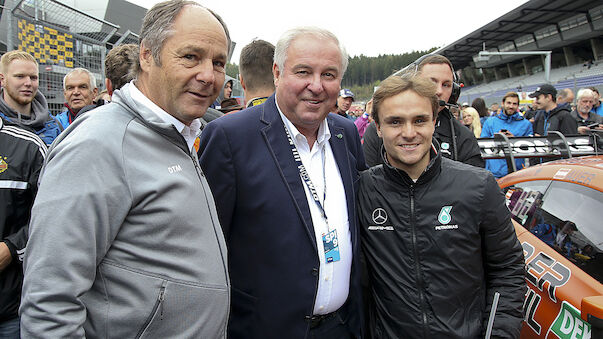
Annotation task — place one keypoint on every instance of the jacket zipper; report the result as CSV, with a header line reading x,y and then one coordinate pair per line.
x,y
417,265
158,306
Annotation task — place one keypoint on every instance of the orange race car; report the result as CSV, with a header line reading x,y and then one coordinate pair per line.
x,y
557,208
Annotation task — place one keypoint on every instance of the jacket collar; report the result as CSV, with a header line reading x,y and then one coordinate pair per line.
x,y
509,118
123,98
401,177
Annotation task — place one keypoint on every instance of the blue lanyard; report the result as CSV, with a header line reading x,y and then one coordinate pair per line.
x,y
305,176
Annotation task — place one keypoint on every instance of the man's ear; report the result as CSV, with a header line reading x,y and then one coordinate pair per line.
x,y
95,92
242,82
145,58
276,72
109,86
378,130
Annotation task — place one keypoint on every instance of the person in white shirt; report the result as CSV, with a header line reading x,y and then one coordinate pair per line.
x,y
283,175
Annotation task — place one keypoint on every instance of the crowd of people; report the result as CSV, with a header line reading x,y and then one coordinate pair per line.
x,y
165,207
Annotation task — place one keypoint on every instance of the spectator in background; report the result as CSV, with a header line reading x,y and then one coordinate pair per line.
x,y
344,102
20,101
363,121
583,114
225,94
480,106
597,107
551,117
120,66
255,68
470,119
510,123
103,98
565,97
79,89
494,109
22,154
134,248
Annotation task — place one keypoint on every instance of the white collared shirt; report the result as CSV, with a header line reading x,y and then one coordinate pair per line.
x,y
188,132
334,277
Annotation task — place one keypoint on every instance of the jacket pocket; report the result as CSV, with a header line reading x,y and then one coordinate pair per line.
x,y
158,308
130,303
188,310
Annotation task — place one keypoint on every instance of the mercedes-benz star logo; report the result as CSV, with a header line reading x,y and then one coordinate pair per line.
x,y
379,216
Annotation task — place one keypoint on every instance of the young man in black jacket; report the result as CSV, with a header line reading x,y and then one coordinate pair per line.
x,y
436,233
551,117
457,142
22,154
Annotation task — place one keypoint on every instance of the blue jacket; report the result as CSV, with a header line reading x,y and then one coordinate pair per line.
x,y
518,126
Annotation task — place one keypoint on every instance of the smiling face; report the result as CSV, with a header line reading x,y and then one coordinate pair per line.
x,y
191,73
344,104
20,83
510,105
406,125
308,86
467,119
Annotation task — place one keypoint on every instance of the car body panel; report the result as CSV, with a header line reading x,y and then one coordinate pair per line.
x,y
556,285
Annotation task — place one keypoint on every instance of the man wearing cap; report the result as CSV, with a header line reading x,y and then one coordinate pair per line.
x,y
551,117
344,102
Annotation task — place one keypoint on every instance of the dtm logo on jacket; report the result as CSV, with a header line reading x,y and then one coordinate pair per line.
x,y
445,218
379,217
3,164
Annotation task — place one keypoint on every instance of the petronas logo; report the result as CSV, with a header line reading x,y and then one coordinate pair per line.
x,y
444,217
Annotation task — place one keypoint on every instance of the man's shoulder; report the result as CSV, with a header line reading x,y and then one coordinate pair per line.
x,y
454,169
16,135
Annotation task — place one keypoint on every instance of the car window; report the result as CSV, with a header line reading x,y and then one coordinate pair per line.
x,y
565,216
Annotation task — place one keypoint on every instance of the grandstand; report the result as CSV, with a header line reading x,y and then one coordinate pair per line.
x,y
571,29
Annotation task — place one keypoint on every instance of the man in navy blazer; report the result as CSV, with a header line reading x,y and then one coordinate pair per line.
x,y
283,175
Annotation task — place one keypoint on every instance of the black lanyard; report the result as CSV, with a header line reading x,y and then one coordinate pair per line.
x,y
305,176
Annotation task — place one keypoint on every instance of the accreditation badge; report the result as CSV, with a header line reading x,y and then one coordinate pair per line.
x,y
331,246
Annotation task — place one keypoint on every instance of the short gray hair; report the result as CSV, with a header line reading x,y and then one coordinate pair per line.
x,y
91,77
585,92
283,44
158,24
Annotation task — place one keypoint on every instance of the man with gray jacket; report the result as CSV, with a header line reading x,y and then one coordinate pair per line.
x,y
124,237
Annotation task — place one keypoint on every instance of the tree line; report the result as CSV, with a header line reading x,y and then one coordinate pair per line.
x,y
365,73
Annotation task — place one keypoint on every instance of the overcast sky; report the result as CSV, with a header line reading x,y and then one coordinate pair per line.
x,y
369,27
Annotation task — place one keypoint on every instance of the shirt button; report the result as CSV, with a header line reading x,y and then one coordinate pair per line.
x,y
321,307
327,278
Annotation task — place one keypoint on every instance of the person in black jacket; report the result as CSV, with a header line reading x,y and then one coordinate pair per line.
x,y
463,146
436,234
551,117
22,154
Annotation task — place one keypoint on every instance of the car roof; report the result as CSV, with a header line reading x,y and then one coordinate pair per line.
x,y
586,171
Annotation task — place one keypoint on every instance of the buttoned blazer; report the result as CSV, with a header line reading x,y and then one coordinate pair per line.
x,y
263,210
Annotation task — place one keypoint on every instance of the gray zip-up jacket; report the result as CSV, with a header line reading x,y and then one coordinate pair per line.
x,y
124,237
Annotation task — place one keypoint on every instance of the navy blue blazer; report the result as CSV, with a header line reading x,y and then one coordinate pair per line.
x,y
264,213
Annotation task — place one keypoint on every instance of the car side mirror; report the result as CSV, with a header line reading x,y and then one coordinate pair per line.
x,y
592,311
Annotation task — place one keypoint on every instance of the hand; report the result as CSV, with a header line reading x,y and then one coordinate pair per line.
x,y
583,129
5,257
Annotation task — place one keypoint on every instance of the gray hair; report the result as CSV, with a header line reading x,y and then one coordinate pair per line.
x,y
158,24
283,44
585,92
91,77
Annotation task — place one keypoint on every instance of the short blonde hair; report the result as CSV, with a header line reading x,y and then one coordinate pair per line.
x,y
9,57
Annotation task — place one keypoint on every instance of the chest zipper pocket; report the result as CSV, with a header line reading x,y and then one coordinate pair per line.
x,y
157,308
